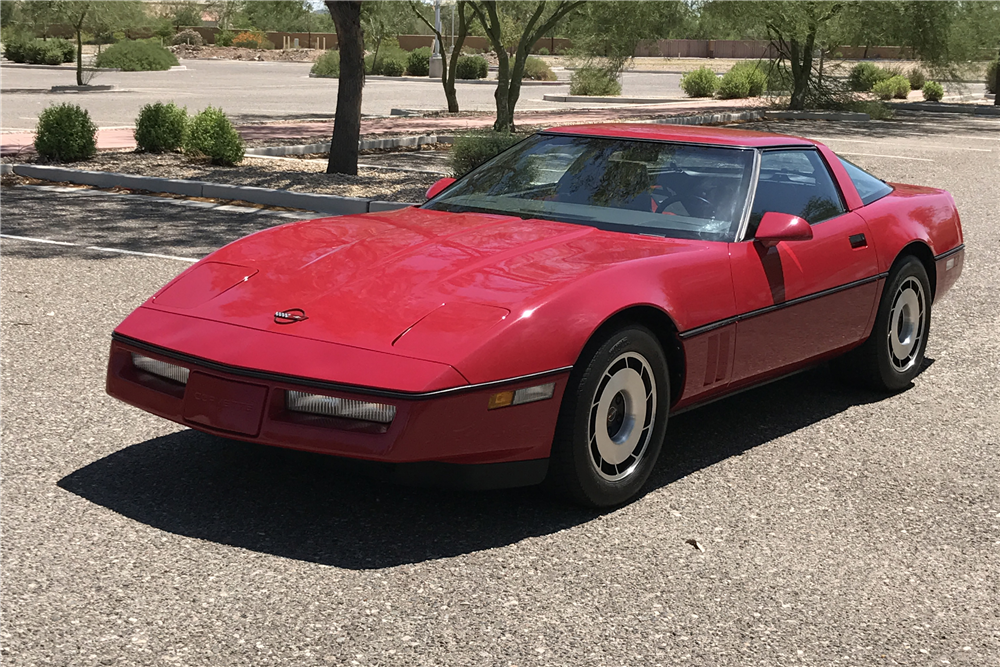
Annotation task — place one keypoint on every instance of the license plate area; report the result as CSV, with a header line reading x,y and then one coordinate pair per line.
x,y
224,404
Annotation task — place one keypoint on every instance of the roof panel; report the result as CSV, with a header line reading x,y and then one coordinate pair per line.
x,y
720,136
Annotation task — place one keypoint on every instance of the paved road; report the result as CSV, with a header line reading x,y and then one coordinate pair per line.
x,y
261,91
839,527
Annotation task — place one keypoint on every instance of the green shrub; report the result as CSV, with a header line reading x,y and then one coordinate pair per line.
x,y
210,134
543,51
391,66
327,65
471,67
224,38
864,76
161,128
136,57
65,133
418,63
743,80
252,39
188,36
900,87
473,149
917,78
55,51
884,90
875,109
591,80
991,76
701,82
933,91
536,70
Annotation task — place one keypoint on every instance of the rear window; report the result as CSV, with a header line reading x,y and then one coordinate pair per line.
x,y
869,188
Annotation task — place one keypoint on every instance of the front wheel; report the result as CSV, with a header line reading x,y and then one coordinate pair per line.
x,y
894,353
612,421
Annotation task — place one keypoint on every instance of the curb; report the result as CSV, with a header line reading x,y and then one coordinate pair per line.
x,y
612,100
83,89
944,107
330,204
6,169
709,119
379,77
364,145
818,115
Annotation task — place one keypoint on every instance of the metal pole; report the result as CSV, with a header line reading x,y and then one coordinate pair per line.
x,y
437,24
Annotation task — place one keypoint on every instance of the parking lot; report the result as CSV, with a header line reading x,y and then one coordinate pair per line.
x,y
837,527
266,91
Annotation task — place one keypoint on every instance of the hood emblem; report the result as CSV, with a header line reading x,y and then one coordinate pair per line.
x,y
290,316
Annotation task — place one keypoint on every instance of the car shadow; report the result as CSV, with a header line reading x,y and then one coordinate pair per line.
x,y
318,509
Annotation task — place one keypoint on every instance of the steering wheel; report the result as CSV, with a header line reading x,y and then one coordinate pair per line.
x,y
698,202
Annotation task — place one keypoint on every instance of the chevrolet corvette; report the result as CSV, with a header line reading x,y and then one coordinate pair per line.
x,y
540,318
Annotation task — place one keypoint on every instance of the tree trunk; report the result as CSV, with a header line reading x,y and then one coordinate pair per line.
x,y
375,57
800,56
79,57
347,123
448,74
996,86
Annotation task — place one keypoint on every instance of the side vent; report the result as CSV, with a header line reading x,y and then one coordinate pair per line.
x,y
717,358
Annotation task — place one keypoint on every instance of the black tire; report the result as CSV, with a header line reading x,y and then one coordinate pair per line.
x,y
883,362
609,379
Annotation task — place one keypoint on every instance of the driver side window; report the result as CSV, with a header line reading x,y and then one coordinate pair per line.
x,y
796,182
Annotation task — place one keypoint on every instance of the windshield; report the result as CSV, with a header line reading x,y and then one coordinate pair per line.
x,y
659,188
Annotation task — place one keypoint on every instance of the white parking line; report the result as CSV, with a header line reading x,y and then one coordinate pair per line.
x,y
895,157
121,251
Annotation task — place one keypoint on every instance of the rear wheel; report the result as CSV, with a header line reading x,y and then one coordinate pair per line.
x,y
612,421
894,353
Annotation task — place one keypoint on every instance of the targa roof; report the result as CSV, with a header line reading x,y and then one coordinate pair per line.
x,y
719,136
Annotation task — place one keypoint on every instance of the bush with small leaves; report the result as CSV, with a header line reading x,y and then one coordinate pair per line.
x,y
224,38
917,78
54,51
864,76
210,134
161,128
473,149
543,51
391,66
252,39
471,67
327,65
743,80
191,37
884,90
596,81
65,133
701,82
418,63
136,56
933,91
900,86
991,77
537,70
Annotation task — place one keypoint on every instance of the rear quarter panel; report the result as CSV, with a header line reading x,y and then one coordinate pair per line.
x,y
913,214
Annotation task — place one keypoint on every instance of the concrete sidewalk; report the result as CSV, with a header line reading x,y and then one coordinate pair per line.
x,y
121,138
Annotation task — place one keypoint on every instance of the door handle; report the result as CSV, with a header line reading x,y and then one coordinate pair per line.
x,y
858,241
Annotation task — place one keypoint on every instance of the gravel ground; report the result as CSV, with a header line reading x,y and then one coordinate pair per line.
x,y
838,527
292,174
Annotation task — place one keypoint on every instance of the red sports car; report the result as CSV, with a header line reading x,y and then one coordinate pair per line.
x,y
541,317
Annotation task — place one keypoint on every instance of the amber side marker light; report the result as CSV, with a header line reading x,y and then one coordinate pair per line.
x,y
504,399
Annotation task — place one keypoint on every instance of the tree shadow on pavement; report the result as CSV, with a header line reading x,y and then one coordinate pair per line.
x,y
316,508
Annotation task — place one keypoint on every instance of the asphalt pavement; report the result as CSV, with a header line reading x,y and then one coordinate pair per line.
x,y
835,526
265,91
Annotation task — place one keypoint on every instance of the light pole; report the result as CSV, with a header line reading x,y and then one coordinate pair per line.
x,y
437,62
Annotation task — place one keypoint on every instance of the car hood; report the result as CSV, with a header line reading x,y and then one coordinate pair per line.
x,y
367,280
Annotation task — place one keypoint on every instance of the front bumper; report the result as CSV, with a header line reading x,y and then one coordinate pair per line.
x,y
442,433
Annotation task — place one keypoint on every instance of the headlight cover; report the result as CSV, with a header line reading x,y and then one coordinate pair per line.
x,y
161,369
344,408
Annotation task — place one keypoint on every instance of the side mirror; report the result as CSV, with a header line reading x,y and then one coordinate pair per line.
x,y
777,227
436,189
